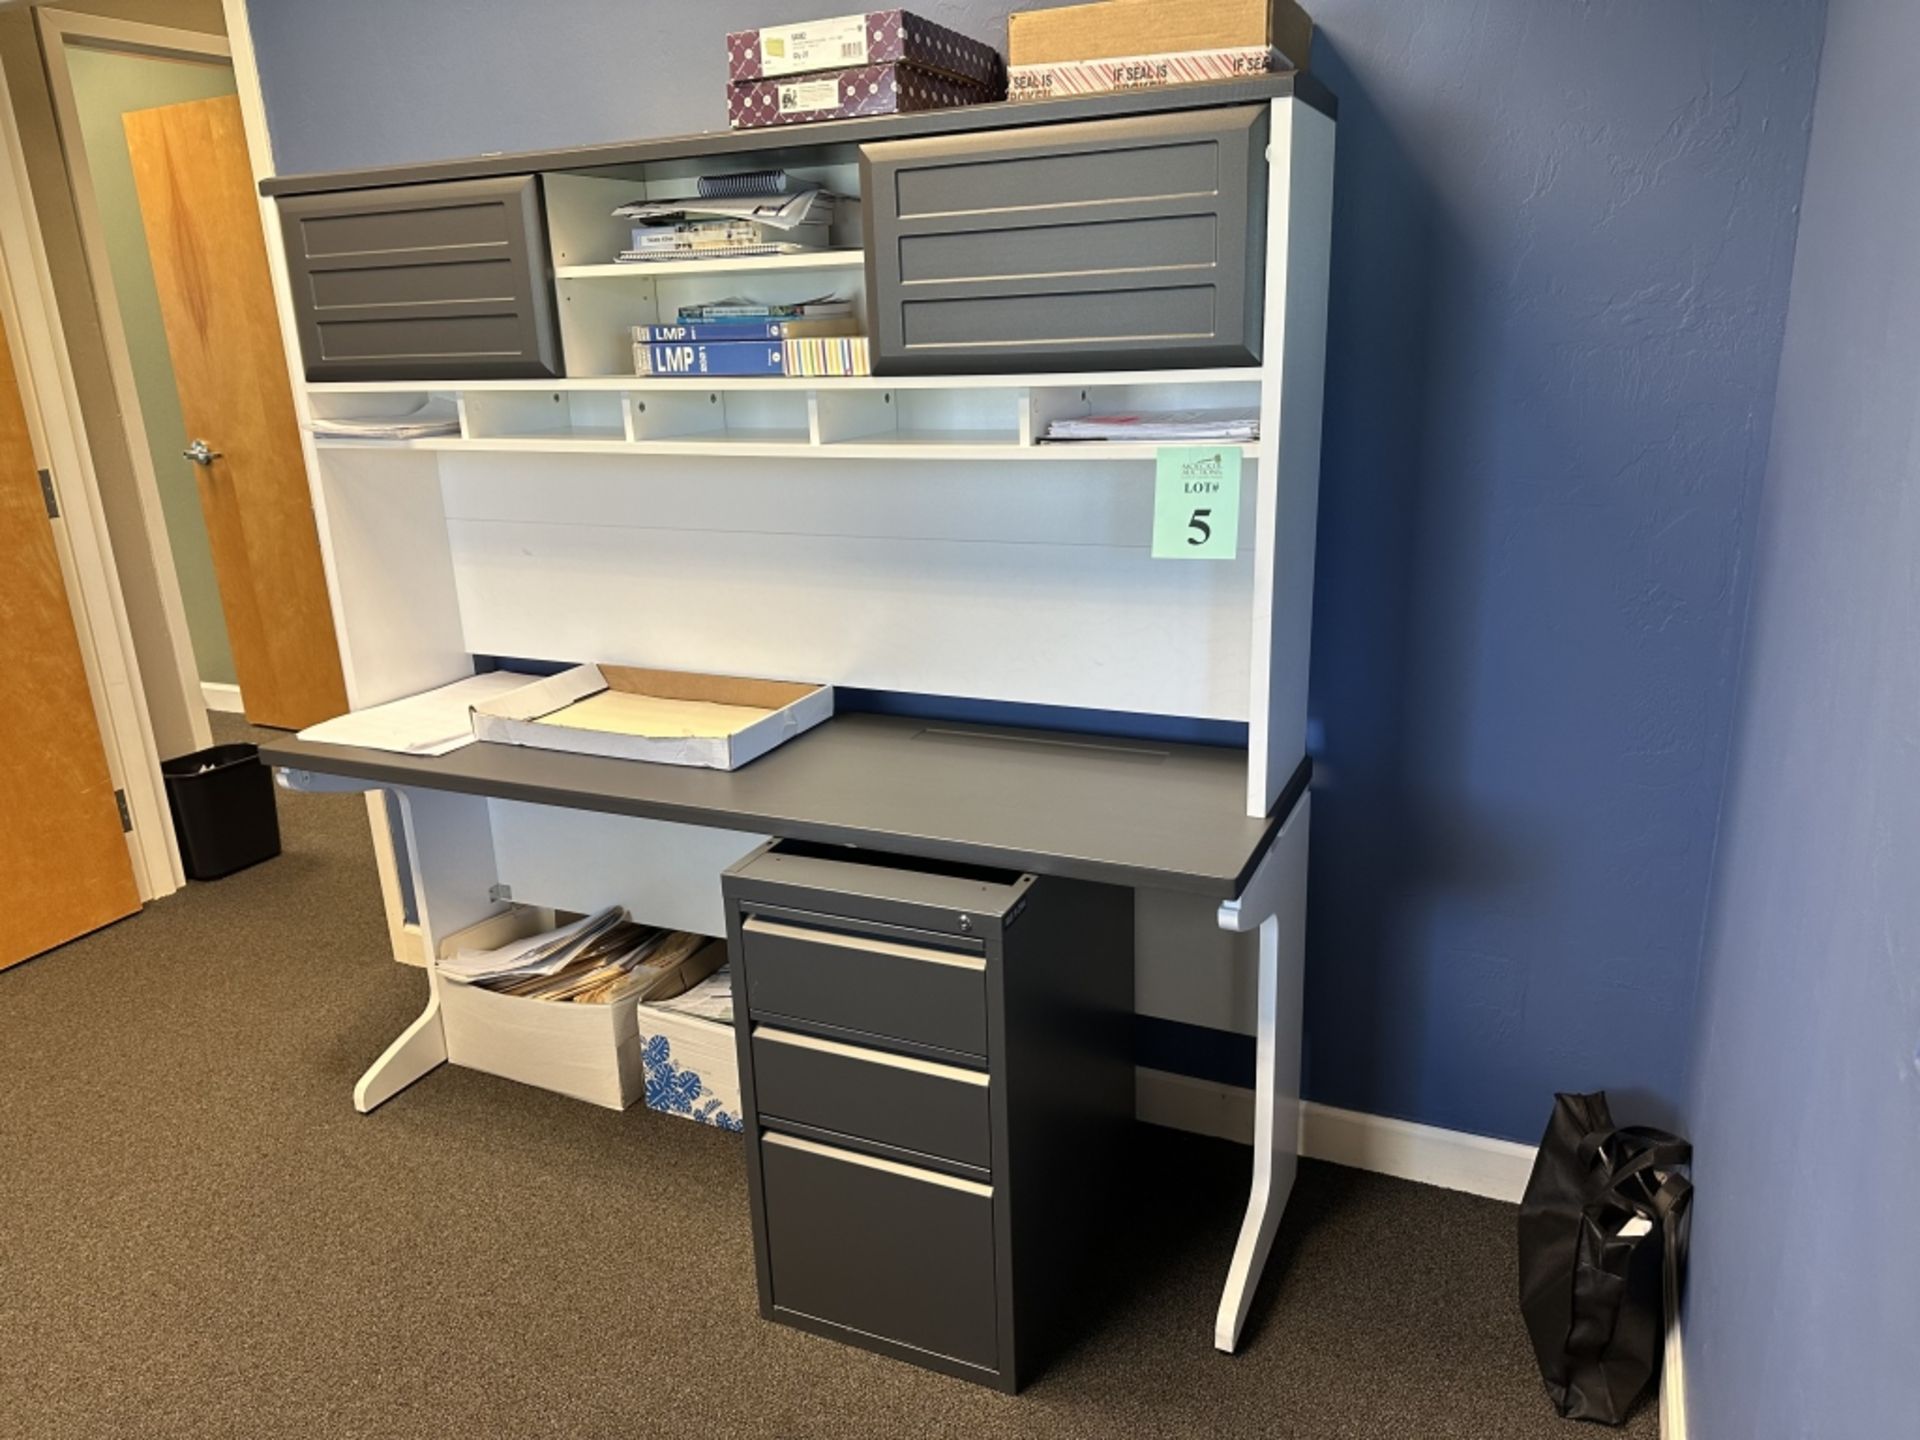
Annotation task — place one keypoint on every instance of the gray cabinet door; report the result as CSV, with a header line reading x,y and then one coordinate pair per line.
x,y
1112,244
423,282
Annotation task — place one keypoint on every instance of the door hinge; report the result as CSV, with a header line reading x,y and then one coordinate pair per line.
x,y
46,493
499,893
126,815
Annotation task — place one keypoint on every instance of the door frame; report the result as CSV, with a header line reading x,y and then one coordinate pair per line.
x,y
93,583
59,29
51,397
404,935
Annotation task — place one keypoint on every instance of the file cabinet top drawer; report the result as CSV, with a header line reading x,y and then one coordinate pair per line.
x,y
958,905
889,988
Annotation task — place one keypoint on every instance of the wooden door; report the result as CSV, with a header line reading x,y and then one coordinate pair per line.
x,y
202,218
64,866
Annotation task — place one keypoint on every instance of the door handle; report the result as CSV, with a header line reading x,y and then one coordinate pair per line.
x,y
202,453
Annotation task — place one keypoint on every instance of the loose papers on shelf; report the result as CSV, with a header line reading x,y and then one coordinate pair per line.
x,y
439,416
595,961
1228,424
779,212
728,226
432,723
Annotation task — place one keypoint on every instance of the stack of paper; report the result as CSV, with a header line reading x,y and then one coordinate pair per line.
x,y
432,723
728,226
595,961
1228,424
437,417
711,999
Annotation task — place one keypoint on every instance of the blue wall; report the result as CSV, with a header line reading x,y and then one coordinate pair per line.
x,y
1803,1316
1563,238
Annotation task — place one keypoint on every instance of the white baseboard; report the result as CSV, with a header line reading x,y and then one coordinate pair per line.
x,y
1673,1362
1451,1159
222,697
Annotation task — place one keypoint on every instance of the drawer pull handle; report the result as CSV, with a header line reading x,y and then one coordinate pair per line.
x,y
873,946
871,1162
872,1057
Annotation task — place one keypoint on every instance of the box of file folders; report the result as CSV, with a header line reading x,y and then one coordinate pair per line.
x,y
554,1005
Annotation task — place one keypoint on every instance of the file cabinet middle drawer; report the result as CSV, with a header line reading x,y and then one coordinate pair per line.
x,y
890,988
920,1105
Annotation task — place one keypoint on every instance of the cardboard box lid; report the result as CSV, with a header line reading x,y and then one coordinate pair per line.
x,y
1110,28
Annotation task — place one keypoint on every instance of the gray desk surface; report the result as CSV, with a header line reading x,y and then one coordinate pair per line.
x,y
1123,812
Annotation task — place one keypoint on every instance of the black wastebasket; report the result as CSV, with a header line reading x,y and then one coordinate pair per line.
x,y
222,803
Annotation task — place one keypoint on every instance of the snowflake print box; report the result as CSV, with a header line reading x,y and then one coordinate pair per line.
x,y
877,37
692,1067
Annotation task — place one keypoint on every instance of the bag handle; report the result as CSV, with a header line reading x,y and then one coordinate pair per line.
x,y
1594,1141
1667,1201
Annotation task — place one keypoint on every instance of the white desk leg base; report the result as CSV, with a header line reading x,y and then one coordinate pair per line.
x,y
422,1047
450,851
1275,901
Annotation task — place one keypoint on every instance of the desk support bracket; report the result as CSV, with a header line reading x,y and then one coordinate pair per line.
x,y
1274,903
449,840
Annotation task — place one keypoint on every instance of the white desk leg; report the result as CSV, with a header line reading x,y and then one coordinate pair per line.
x,y
422,1046
1274,902
450,852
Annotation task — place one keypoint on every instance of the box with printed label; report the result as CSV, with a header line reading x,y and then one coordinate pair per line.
x,y
868,90
1058,78
877,37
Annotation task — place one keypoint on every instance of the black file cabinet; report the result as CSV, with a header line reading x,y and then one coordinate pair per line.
x,y
938,1085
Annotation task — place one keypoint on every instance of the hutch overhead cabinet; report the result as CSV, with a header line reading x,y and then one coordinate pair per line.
x,y
911,532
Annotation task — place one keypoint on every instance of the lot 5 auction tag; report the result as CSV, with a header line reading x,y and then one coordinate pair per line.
x,y
1196,502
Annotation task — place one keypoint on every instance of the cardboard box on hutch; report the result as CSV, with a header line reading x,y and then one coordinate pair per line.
x,y
1115,28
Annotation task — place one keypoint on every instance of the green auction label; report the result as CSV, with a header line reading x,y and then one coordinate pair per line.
x,y
1196,502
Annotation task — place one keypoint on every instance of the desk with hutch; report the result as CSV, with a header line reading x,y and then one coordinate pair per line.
x,y
908,532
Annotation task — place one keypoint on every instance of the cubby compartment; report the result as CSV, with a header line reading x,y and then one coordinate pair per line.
x,y
919,416
394,418
601,301
679,410
550,415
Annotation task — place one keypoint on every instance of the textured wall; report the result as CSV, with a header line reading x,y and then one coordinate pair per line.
x,y
1563,234
1804,1305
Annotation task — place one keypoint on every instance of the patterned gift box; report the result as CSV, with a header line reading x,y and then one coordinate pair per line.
x,y
867,90
692,1068
879,37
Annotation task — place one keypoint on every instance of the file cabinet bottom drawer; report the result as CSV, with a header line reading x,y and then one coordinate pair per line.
x,y
887,1249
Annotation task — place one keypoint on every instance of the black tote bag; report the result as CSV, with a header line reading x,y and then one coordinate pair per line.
x,y
1591,1295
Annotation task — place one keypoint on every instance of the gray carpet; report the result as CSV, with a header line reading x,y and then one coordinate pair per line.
x,y
199,1237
